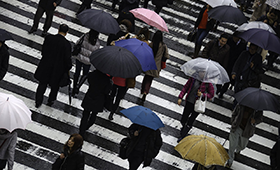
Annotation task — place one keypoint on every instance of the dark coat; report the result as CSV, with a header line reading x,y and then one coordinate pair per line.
x,y
159,3
74,161
114,37
214,52
4,60
55,61
99,87
127,5
150,138
275,156
48,4
210,22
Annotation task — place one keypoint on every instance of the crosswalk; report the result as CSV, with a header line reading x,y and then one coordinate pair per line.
x,y
40,144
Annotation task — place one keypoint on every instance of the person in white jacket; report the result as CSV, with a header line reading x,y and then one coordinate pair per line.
x,y
7,148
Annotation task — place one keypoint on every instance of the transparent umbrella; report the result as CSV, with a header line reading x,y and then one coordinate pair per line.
x,y
215,3
205,70
255,24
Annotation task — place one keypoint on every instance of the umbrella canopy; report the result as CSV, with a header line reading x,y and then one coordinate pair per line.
x,y
258,99
215,3
273,3
141,50
99,20
13,112
5,35
143,116
205,70
150,17
116,61
255,24
202,149
262,38
227,14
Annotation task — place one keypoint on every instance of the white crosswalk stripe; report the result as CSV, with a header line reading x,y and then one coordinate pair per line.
x,y
162,97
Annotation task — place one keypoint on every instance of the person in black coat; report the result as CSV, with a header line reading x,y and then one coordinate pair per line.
x,y
275,153
47,6
144,145
72,157
158,3
4,59
94,100
54,64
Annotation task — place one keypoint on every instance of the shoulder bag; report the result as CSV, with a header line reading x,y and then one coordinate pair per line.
x,y
192,35
77,47
123,147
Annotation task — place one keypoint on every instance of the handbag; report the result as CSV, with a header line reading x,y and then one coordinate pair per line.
x,y
200,105
78,47
130,82
123,147
192,35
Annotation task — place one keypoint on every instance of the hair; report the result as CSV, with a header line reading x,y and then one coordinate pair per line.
x,y
127,23
224,35
254,45
78,142
93,36
144,34
63,28
157,39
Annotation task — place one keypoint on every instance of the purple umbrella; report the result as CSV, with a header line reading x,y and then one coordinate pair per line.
x,y
262,38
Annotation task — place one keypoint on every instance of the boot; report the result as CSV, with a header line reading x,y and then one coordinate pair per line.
x,y
196,50
75,82
111,116
81,82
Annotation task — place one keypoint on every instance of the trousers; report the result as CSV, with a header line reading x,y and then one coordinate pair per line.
x,y
39,13
41,90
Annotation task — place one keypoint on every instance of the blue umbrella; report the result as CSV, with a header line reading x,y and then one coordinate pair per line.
x,y
143,116
141,50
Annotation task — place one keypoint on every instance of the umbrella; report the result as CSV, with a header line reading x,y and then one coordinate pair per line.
x,y
227,14
99,20
257,99
205,70
13,112
273,3
116,61
143,116
215,3
262,38
202,149
141,50
255,24
150,17
5,35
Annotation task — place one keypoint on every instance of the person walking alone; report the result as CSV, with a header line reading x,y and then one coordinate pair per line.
x,y
54,64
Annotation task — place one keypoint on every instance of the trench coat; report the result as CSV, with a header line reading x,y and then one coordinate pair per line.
x,y
99,88
55,61
4,60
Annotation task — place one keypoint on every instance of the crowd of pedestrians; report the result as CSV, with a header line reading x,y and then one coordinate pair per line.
x,y
242,62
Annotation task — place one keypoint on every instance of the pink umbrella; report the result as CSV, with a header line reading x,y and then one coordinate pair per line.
x,y
150,17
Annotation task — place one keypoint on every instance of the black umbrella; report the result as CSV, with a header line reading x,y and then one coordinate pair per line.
x,y
116,61
5,35
226,13
99,20
262,38
257,99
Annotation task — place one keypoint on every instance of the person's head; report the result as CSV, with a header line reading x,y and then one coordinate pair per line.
x,y
253,48
93,36
235,38
127,24
144,34
74,142
208,7
157,39
223,39
63,29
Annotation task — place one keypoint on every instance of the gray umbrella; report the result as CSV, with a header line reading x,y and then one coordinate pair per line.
x,y
257,99
116,61
99,20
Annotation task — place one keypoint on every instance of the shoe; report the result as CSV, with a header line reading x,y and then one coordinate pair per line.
x,y
44,33
50,103
144,97
32,31
228,165
37,105
221,96
111,116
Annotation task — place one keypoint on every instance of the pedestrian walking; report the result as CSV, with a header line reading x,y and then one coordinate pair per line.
x,y
125,26
4,59
54,65
48,7
90,43
194,89
243,124
159,4
72,158
8,143
275,154
203,24
127,5
247,69
160,51
144,145
86,4
259,8
94,100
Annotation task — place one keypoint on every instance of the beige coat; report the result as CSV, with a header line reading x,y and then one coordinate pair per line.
x,y
158,57
259,10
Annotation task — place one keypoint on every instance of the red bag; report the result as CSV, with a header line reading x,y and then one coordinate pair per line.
x,y
163,64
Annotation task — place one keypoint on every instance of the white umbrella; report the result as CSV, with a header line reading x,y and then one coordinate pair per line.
x,y
255,24
205,70
14,114
215,3
273,3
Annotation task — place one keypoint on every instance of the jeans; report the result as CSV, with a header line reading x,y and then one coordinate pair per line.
x,y
87,121
201,34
